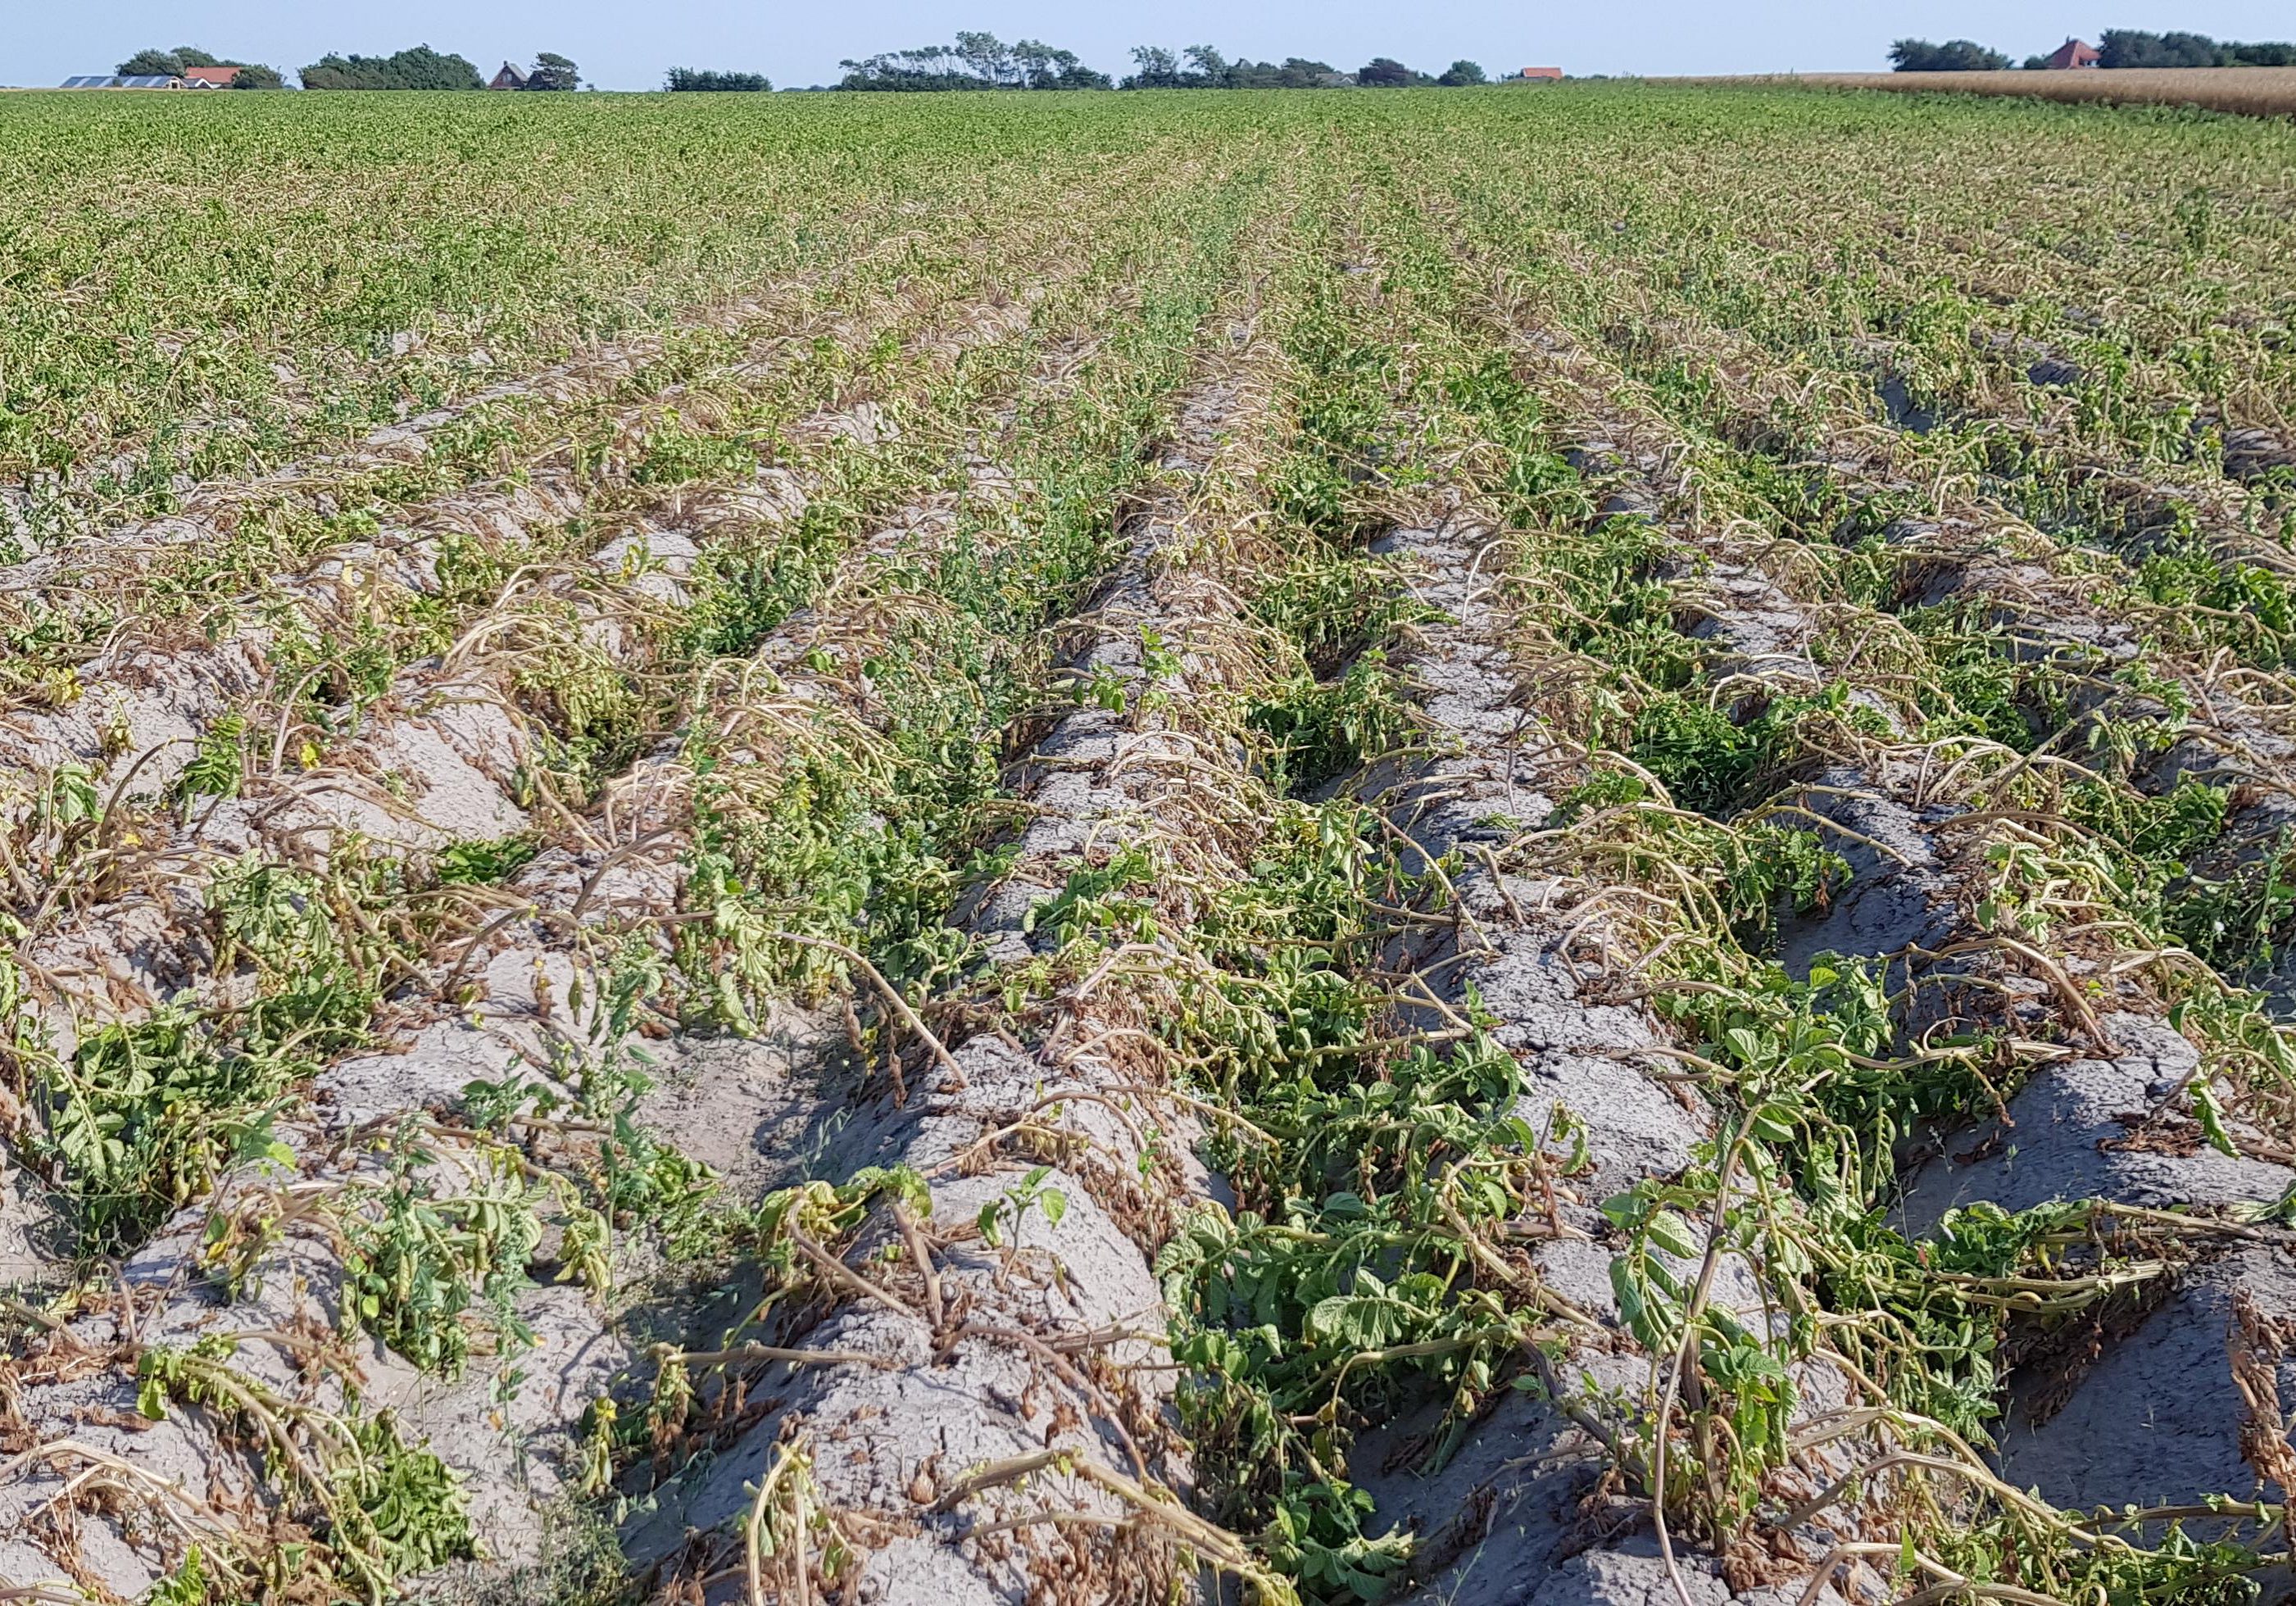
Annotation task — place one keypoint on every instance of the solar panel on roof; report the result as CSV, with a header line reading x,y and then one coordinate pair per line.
x,y
145,81
88,80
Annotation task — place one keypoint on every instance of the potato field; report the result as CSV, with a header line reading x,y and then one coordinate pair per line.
x,y
1514,846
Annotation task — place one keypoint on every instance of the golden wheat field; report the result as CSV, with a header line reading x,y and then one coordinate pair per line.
x,y
2249,91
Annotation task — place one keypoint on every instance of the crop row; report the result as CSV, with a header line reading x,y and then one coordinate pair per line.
x,y
436,872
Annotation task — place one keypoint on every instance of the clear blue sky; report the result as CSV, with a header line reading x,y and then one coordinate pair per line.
x,y
624,45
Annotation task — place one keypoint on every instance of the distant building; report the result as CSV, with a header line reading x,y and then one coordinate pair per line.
x,y
2070,55
1540,72
210,77
509,78
105,80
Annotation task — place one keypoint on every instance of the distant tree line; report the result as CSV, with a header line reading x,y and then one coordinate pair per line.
x,y
171,63
981,60
688,78
423,68
2126,47
1157,68
2116,47
420,67
977,61
1954,55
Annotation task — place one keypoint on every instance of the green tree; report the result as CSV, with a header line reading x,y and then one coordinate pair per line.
x,y
1153,67
1300,73
1459,73
420,67
168,63
1038,65
1954,55
987,57
685,79
553,71
931,67
258,78
2129,47
1384,72
1207,64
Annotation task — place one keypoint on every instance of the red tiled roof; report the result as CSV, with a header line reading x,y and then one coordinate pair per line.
x,y
210,74
2073,52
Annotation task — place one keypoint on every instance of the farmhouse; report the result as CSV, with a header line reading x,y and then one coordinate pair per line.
x,y
2070,55
509,78
210,77
1540,72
